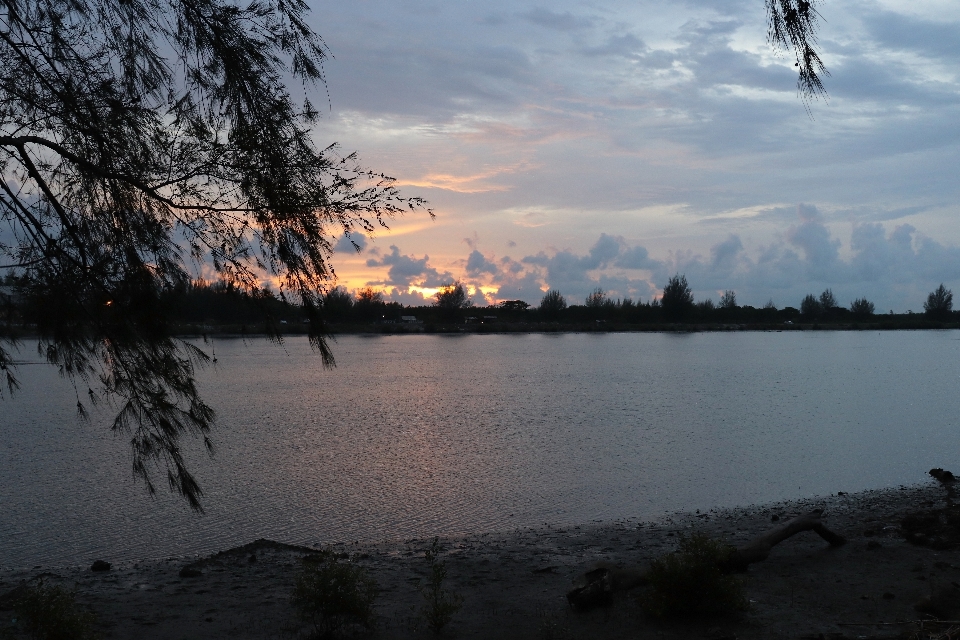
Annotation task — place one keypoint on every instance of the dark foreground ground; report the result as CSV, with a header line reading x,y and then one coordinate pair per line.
x,y
514,584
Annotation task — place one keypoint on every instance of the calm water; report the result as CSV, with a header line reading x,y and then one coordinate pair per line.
x,y
423,435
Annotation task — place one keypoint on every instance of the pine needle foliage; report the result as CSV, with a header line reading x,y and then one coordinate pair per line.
x,y
141,142
792,26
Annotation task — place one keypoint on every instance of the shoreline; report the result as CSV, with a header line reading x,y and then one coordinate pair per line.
x,y
514,583
236,331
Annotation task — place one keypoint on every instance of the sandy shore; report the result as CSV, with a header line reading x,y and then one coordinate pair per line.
x,y
514,584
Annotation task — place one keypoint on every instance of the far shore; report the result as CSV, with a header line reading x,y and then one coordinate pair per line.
x,y
898,322
514,583
420,328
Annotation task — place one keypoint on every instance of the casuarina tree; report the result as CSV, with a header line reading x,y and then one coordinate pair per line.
x,y
677,299
810,306
552,304
139,140
451,299
939,303
862,308
728,300
828,301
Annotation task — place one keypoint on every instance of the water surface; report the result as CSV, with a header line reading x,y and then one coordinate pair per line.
x,y
421,435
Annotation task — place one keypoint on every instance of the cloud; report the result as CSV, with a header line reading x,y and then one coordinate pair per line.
x,y
576,275
895,31
636,258
351,242
477,264
893,267
624,45
724,254
820,249
543,134
407,270
565,21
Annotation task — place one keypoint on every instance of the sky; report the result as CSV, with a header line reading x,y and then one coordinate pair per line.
x,y
612,144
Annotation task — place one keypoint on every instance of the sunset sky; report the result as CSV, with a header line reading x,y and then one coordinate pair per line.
x,y
575,145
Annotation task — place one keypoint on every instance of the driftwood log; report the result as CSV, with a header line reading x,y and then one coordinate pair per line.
x,y
607,579
948,481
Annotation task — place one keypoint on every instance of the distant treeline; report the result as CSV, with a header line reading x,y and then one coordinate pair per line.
x,y
201,306
452,306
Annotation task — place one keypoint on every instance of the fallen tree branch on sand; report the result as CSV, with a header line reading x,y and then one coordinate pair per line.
x,y
605,580
935,528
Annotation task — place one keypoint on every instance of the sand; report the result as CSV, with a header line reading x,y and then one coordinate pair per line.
x,y
514,583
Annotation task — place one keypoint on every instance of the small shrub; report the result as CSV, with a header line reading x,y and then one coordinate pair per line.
x,y
333,595
439,604
51,613
690,583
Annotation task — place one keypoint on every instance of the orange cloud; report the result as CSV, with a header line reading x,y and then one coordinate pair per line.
x,y
465,183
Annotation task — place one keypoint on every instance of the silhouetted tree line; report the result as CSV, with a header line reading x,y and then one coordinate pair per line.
x,y
677,304
222,304
219,303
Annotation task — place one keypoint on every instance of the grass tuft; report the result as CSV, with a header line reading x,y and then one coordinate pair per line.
x,y
45,612
690,583
333,595
439,605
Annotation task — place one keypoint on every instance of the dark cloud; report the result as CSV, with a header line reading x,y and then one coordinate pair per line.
x,y
820,249
809,213
407,270
893,268
351,242
613,112
625,46
570,273
724,254
603,251
899,32
477,264
636,258
527,288
493,20
565,21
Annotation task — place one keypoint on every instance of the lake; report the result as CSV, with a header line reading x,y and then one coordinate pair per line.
x,y
422,435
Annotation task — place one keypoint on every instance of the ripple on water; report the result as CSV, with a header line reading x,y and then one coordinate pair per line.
x,y
414,436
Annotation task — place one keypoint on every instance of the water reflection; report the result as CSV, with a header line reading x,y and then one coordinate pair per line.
x,y
424,435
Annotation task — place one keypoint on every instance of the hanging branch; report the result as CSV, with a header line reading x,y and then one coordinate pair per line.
x,y
792,26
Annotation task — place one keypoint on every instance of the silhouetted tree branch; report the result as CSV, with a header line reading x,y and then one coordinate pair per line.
x,y
792,26
138,138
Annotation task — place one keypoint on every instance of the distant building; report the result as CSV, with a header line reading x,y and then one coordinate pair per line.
x,y
409,319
